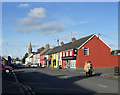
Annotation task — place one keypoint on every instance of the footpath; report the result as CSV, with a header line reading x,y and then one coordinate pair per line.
x,y
103,72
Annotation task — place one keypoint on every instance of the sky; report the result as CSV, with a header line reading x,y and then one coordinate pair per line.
x,y
43,23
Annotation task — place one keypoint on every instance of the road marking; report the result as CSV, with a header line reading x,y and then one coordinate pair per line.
x,y
18,85
102,85
30,91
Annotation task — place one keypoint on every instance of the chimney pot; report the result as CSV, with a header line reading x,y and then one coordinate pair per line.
x,y
73,39
62,43
47,46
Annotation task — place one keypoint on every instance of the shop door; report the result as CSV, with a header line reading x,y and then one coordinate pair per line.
x,y
73,63
68,64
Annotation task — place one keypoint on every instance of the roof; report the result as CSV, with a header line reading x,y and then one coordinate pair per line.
x,y
44,53
39,51
71,45
54,50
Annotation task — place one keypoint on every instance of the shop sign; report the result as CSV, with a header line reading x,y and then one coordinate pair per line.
x,y
74,51
69,58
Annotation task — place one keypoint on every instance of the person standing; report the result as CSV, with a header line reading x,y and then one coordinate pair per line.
x,y
86,68
90,68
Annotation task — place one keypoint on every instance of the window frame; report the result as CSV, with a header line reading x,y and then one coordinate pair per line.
x,y
86,51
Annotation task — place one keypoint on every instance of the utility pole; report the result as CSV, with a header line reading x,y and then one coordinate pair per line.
x,y
58,53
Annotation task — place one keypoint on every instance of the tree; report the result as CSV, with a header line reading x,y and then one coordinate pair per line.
x,y
9,59
25,56
5,62
17,59
112,52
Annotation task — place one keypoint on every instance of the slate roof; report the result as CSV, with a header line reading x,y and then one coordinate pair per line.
x,y
54,50
70,45
44,53
39,51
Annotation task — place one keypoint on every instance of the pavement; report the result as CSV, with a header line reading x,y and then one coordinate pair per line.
x,y
103,72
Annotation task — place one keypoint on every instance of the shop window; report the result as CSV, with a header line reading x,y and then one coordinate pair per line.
x,y
86,51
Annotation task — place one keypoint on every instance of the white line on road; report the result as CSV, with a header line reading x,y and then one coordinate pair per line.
x,y
102,85
18,85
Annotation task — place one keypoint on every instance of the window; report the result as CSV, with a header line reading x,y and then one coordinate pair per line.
x,y
70,53
86,51
66,53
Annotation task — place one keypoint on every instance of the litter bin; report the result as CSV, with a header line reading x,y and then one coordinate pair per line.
x,y
116,71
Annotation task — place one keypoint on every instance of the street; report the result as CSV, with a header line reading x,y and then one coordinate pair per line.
x,y
49,80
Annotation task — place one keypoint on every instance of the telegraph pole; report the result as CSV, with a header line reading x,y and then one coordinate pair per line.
x,y
58,53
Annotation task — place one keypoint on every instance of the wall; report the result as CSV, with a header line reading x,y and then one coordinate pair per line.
x,y
99,55
42,60
54,56
50,59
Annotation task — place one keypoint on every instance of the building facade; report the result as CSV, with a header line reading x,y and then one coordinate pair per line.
x,y
91,48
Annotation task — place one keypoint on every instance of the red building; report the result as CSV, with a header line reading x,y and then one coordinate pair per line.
x,y
96,51
42,62
90,48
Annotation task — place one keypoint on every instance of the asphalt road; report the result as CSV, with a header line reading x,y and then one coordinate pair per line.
x,y
44,80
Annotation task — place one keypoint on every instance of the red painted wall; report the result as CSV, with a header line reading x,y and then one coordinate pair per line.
x,y
42,59
50,59
99,55
63,61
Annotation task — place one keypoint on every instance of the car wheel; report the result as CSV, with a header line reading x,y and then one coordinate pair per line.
x,y
7,70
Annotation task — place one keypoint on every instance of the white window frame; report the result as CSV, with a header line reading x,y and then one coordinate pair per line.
x,y
86,49
67,53
71,53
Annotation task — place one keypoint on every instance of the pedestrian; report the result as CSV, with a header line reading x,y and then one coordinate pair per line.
x,y
90,68
86,68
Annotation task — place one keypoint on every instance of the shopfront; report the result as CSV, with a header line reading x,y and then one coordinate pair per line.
x,y
69,62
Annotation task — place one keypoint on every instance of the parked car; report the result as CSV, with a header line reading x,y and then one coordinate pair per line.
x,y
34,65
5,68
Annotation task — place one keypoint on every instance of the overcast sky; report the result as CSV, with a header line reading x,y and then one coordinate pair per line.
x,y
43,23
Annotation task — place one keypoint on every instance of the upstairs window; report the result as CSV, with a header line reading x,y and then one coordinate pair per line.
x,y
70,53
66,53
86,51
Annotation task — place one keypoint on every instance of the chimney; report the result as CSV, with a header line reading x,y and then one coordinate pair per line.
x,y
40,49
73,39
62,43
47,46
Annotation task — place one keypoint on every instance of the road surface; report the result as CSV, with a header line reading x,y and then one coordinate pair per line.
x,y
44,80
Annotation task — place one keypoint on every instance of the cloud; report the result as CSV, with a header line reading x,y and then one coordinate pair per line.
x,y
83,22
47,28
24,5
1,41
33,23
37,13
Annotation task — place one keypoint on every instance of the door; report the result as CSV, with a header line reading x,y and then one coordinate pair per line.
x,y
73,63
